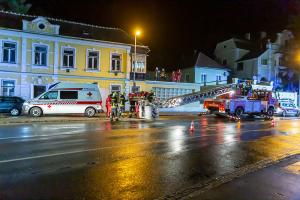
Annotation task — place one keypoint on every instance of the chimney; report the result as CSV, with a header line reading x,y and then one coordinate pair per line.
x,y
248,36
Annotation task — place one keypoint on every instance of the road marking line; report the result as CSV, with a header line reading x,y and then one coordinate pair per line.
x,y
111,147
74,152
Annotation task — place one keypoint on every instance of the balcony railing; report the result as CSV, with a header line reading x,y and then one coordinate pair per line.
x,y
138,76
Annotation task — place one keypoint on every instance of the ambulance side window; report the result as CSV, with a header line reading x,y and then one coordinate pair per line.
x,y
68,94
50,95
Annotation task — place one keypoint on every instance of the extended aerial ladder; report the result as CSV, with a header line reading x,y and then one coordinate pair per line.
x,y
195,97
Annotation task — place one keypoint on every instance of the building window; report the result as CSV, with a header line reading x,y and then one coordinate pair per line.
x,y
187,78
68,94
224,62
218,79
240,66
40,55
9,50
203,78
264,61
8,87
41,26
137,88
115,88
68,57
116,62
38,90
281,61
138,66
93,60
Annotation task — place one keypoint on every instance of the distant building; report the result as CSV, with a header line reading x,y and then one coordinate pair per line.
x,y
206,71
263,59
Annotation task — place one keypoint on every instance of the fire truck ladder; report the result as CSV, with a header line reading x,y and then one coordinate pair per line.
x,y
195,97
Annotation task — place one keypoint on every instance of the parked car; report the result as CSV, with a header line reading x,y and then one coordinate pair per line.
x,y
287,108
12,105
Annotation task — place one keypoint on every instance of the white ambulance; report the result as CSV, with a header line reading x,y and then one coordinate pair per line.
x,y
66,98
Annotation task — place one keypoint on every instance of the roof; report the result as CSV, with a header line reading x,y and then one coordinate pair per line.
x,y
252,54
205,61
244,44
12,20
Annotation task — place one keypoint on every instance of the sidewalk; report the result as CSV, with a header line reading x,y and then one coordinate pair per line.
x,y
279,181
6,119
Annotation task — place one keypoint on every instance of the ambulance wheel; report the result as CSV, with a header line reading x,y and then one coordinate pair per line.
x,y
90,112
35,112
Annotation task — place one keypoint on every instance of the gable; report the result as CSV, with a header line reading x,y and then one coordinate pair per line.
x,y
40,25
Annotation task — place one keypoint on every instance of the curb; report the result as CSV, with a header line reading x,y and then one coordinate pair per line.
x,y
29,121
197,190
61,120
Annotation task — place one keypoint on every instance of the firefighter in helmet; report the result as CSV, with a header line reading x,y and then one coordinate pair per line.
x,y
150,96
122,101
132,104
114,106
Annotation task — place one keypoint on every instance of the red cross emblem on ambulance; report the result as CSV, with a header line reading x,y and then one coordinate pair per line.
x,y
89,94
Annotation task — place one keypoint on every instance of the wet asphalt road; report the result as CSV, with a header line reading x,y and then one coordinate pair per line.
x,y
132,159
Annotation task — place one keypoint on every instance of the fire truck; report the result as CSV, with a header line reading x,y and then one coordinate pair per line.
x,y
256,100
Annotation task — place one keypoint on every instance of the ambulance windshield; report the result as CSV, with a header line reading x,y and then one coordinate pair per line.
x,y
50,95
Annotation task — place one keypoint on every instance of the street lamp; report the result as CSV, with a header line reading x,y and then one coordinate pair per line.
x,y
137,33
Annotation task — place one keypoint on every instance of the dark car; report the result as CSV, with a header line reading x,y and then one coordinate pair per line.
x,y
12,105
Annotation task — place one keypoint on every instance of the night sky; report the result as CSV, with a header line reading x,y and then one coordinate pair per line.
x,y
174,29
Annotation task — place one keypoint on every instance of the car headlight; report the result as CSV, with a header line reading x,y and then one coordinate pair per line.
x,y
278,109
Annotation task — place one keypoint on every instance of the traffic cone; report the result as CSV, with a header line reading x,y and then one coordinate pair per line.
x,y
273,123
192,127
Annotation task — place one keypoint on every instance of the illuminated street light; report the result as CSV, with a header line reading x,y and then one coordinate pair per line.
x,y
137,33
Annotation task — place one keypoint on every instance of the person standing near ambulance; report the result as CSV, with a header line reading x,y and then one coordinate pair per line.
x,y
122,101
108,106
114,106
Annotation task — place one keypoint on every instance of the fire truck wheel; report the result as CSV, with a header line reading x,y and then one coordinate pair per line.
x,y
90,112
35,112
270,112
239,111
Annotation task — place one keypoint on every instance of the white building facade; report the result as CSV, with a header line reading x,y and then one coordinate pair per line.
x,y
206,72
255,60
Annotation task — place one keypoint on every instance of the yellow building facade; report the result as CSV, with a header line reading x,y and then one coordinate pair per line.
x,y
36,52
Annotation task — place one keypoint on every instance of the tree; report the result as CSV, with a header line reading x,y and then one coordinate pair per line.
x,y
294,17
18,6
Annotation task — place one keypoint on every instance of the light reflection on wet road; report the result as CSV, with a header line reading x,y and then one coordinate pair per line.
x,y
132,159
